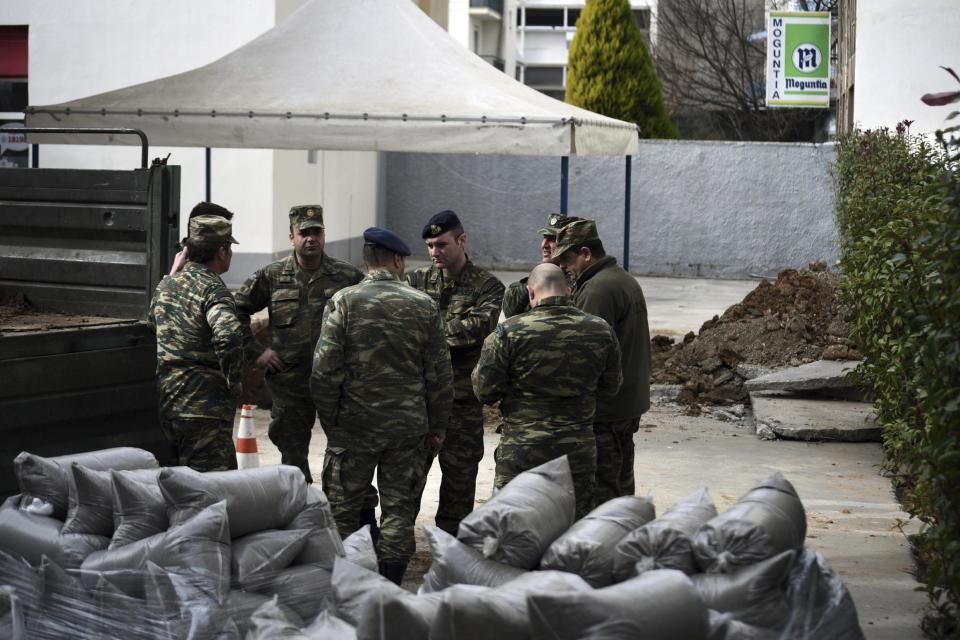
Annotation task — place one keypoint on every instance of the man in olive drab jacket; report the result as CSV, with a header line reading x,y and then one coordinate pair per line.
x,y
469,299
604,289
295,291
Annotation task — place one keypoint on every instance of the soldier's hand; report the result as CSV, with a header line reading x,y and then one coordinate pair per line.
x,y
434,442
270,361
178,261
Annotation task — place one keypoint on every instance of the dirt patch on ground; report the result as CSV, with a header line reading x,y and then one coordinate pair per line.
x,y
793,320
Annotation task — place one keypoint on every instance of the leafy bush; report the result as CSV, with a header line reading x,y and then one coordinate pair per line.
x,y
898,211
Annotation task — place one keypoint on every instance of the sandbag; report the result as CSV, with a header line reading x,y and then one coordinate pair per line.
x,y
20,589
13,624
522,519
31,537
49,479
587,547
656,605
667,542
139,510
723,626
453,563
200,545
766,521
821,608
353,586
256,499
242,605
323,542
755,594
469,612
272,621
261,555
305,589
90,499
358,548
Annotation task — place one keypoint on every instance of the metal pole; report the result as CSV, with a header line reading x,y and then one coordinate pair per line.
x,y
626,216
35,157
207,155
564,183
144,145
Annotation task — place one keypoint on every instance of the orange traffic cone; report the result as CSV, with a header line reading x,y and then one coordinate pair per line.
x,y
247,455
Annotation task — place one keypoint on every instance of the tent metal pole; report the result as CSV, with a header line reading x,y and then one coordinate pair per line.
x,y
35,157
626,215
564,183
207,162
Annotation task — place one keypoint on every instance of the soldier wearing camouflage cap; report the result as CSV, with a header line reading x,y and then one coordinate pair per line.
x,y
295,291
199,350
382,385
548,367
515,299
469,299
604,289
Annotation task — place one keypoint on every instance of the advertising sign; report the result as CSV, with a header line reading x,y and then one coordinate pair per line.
x,y
798,59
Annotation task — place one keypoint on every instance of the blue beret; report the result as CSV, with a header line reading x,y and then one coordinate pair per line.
x,y
440,223
377,237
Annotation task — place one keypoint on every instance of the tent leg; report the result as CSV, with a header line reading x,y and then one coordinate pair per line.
x,y
35,157
626,215
207,162
564,183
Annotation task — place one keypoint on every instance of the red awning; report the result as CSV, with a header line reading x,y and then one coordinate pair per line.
x,y
13,52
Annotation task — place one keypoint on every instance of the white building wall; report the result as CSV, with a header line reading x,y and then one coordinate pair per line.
x,y
900,46
458,22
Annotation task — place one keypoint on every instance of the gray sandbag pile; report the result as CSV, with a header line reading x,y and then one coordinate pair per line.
x,y
108,544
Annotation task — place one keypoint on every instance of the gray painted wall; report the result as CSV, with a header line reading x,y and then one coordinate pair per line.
x,y
713,209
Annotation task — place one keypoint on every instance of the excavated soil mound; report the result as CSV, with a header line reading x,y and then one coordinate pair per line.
x,y
791,321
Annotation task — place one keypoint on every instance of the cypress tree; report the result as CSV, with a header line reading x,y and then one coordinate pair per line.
x,y
610,71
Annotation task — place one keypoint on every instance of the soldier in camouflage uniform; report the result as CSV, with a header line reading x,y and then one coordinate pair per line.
x,y
199,350
382,384
547,367
469,299
604,289
515,299
295,291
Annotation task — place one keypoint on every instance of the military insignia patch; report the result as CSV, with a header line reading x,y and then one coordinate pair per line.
x,y
554,219
435,229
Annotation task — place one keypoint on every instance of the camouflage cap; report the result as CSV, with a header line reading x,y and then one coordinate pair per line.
x,y
575,234
555,222
306,216
211,229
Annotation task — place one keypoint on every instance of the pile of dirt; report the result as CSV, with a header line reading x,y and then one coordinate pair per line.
x,y
788,322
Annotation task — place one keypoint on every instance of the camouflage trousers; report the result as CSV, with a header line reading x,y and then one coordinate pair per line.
x,y
291,425
459,461
615,458
203,444
347,474
513,459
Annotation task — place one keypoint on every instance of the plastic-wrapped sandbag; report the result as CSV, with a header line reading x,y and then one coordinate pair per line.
x,y
242,605
453,563
768,520
323,542
31,537
305,589
755,594
667,542
723,626
656,605
179,604
358,548
522,519
12,619
49,478
271,621
263,554
20,589
91,499
587,547
820,605
469,612
139,510
257,499
200,545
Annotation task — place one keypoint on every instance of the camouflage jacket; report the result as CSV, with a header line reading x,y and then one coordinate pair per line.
x,y
547,367
381,369
469,306
295,299
199,348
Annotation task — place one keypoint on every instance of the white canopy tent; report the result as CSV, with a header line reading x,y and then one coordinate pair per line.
x,y
370,75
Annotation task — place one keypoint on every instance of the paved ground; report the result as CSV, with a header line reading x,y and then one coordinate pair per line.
x,y
852,516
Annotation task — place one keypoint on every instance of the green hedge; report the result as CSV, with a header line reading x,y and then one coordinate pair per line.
x,y
898,212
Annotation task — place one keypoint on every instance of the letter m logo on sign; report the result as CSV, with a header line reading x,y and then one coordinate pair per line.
x,y
807,58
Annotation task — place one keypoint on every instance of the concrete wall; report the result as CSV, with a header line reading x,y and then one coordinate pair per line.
x,y
900,46
715,209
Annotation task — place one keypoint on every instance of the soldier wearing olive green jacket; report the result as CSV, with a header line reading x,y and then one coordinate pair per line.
x,y
547,368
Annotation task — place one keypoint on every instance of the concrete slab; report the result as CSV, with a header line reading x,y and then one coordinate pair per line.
x,y
822,374
797,418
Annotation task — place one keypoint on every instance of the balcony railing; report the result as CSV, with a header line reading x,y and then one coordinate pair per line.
x,y
493,5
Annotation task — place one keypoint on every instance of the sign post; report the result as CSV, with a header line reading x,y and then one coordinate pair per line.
x,y
798,59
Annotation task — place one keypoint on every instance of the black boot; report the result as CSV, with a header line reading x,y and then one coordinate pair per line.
x,y
369,516
393,571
